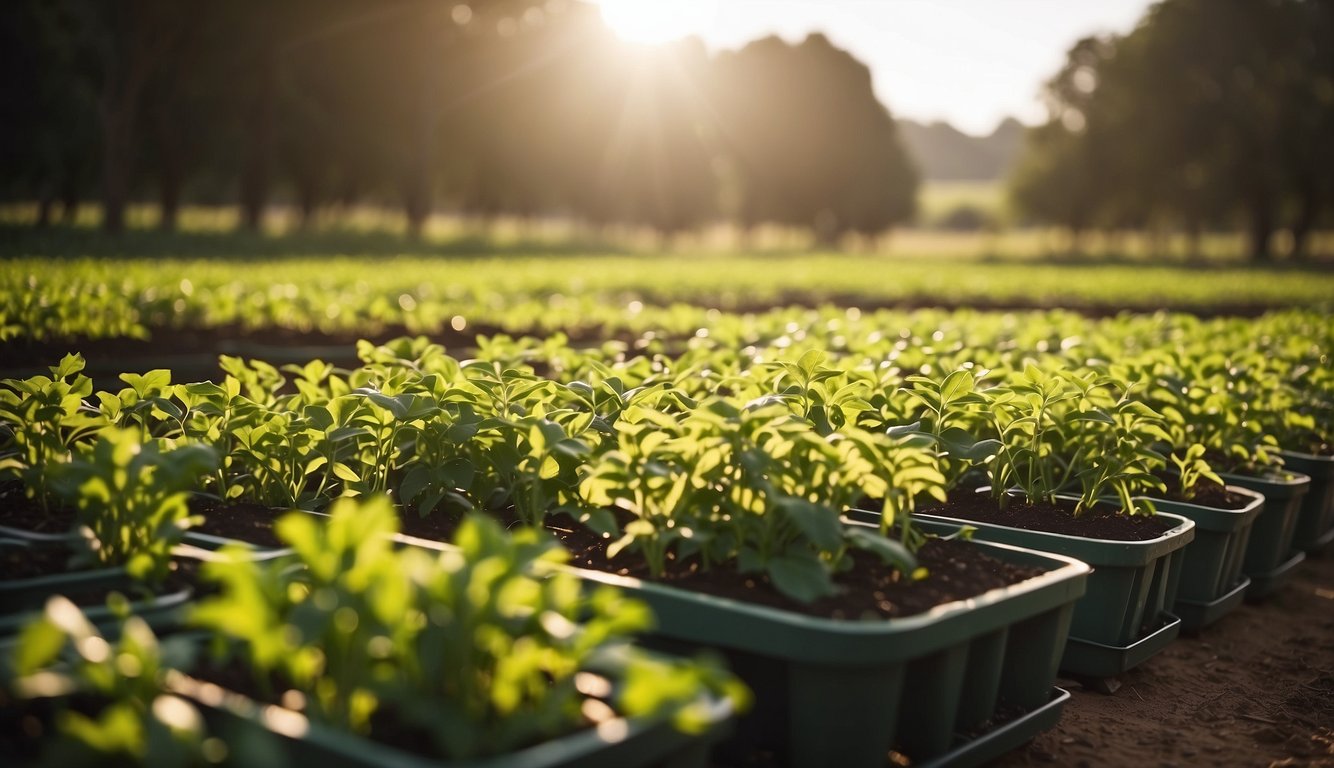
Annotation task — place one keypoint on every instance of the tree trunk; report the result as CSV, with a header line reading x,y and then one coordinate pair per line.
x,y
169,197
170,175
44,205
145,32
69,198
1305,222
1194,236
1261,227
417,204
258,154
117,158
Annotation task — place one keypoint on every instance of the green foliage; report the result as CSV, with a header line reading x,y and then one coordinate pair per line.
x,y
757,489
1061,430
484,648
129,497
41,419
133,721
49,298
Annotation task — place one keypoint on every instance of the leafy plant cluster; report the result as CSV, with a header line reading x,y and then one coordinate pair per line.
x,y
719,453
484,648
598,296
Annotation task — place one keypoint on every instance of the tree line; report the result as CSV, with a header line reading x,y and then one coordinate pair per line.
x,y
509,107
1210,114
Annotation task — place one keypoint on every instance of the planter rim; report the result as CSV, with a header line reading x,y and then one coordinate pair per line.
x,y
37,537
1209,518
1066,568
561,750
1092,550
1288,479
50,581
1322,458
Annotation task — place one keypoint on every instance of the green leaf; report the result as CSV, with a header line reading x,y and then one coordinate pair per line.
x,y
803,579
819,524
344,472
956,385
889,551
38,645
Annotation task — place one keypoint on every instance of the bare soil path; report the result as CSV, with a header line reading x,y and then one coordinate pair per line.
x,y
1254,689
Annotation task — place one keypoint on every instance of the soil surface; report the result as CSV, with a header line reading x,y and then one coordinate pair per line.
x,y
1096,523
1255,688
869,589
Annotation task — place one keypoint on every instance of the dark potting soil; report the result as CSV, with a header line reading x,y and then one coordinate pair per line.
x,y
1097,523
870,589
19,511
240,520
1207,494
32,562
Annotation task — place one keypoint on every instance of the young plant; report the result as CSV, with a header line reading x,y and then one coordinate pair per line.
x,y
1191,468
41,420
481,649
950,412
1061,431
126,717
129,497
757,490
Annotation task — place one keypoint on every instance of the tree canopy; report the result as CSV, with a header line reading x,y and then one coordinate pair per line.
x,y
1209,113
514,107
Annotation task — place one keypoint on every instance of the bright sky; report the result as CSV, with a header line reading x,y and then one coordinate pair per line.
x,y
970,62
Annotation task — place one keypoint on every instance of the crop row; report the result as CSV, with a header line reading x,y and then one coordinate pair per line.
x,y
739,453
94,298
698,447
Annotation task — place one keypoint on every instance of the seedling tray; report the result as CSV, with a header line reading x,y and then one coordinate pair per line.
x,y
842,693
992,744
1211,567
1132,582
1269,553
1315,523
1086,658
1197,615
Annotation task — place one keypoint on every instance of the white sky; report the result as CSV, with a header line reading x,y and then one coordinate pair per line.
x,y
970,62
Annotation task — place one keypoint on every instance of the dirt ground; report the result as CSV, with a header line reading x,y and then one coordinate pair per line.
x,y
1254,689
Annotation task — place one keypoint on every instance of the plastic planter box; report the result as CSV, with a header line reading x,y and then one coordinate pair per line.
x,y
1315,523
22,599
1270,559
1212,582
1126,616
843,693
270,735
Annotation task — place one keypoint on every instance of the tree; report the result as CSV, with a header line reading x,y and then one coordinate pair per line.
x,y
1209,111
835,165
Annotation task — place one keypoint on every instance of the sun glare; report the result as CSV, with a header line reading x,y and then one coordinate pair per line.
x,y
650,22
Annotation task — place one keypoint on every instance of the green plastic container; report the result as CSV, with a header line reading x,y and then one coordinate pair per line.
x,y
266,735
23,599
1315,523
843,693
1270,558
1125,617
1212,582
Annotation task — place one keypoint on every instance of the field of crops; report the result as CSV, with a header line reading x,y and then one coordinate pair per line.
x,y
702,420
582,296
683,436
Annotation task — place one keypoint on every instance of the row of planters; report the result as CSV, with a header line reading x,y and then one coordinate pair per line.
x,y
680,471
986,650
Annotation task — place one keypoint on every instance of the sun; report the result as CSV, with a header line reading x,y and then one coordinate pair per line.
x,y
651,22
